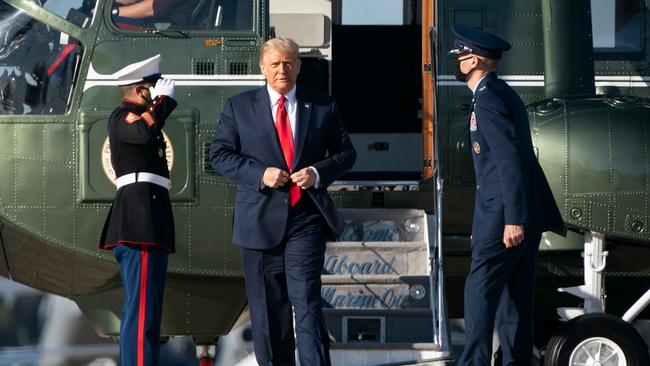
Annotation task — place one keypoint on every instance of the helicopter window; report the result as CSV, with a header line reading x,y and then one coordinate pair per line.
x,y
79,12
372,12
617,28
38,65
207,15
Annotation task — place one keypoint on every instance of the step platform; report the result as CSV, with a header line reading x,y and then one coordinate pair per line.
x,y
377,289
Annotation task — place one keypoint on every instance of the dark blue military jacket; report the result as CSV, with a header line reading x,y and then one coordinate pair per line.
x,y
510,185
141,213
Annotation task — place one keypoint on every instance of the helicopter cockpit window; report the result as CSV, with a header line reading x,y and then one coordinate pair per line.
x,y
192,15
617,28
38,65
79,12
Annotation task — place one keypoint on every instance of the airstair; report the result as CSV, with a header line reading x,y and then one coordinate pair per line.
x,y
383,290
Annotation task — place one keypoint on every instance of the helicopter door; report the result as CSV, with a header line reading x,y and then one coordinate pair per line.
x,y
380,101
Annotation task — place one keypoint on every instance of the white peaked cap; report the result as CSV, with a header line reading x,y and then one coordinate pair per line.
x,y
136,72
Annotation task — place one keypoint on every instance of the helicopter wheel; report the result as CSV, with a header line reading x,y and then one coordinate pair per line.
x,y
596,339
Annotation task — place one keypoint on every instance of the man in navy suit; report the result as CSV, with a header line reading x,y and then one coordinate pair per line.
x,y
283,146
513,207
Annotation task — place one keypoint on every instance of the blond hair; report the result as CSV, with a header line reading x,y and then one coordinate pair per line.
x,y
280,44
489,63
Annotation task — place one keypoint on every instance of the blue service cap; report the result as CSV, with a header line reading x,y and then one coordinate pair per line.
x,y
474,41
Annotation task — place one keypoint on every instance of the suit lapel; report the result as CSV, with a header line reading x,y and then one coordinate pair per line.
x,y
303,116
263,111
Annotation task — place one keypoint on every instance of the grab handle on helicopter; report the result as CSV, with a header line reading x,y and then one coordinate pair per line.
x,y
602,266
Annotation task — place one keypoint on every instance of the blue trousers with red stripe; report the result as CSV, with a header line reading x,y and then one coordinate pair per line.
x,y
143,270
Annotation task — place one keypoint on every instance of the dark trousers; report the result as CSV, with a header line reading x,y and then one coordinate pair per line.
x,y
284,277
143,270
500,288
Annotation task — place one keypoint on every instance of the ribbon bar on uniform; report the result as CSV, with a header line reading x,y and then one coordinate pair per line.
x,y
130,178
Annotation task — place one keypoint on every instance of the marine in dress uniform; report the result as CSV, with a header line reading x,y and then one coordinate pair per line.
x,y
140,226
513,207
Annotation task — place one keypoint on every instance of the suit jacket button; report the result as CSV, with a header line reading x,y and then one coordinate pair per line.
x,y
286,200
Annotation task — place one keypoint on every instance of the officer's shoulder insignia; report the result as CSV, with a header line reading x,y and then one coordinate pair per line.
x,y
149,119
131,117
473,123
477,147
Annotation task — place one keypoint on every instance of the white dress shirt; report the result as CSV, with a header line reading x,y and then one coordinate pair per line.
x,y
291,104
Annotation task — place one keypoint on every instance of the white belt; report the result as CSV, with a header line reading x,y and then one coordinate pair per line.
x,y
130,178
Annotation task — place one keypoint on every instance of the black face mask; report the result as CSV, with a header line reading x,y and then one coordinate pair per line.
x,y
455,67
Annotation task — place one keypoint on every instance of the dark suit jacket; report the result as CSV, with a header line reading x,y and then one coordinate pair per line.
x,y
511,186
245,143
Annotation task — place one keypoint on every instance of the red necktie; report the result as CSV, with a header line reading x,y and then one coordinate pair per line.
x,y
283,127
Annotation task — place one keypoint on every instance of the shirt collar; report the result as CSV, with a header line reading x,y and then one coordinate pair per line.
x,y
134,105
291,95
479,83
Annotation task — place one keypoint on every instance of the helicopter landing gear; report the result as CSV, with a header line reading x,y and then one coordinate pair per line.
x,y
596,339
588,335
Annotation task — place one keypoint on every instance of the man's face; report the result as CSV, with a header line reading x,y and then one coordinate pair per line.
x,y
467,63
143,91
280,68
463,65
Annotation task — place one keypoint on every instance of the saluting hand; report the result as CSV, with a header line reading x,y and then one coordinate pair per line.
x,y
163,87
304,178
513,235
275,177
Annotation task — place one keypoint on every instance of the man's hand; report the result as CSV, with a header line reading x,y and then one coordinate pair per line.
x,y
163,87
513,235
275,177
304,178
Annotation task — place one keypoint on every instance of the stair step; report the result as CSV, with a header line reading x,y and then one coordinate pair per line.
x,y
374,279
396,293
381,328
373,258
423,346
389,354
378,312
397,245
384,225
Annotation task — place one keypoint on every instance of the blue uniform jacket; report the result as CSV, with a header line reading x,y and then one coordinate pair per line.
x,y
510,185
245,143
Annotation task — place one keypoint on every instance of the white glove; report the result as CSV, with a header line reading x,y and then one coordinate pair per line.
x,y
163,87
